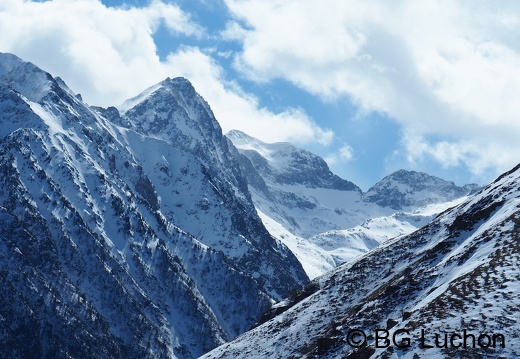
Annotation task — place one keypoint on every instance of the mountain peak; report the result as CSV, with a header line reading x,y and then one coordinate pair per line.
x,y
24,77
8,62
405,188
236,136
410,176
169,85
173,111
287,164
178,82
32,82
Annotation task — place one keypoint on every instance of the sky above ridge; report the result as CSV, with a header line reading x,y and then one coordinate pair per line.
x,y
371,86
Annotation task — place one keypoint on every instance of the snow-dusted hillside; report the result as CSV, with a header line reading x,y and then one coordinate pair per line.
x,y
457,279
141,231
348,244
297,197
127,234
326,220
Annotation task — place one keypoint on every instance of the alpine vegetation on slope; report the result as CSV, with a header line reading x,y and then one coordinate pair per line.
x,y
448,290
125,236
326,220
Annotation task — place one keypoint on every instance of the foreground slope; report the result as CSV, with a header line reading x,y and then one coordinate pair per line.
x,y
457,278
119,239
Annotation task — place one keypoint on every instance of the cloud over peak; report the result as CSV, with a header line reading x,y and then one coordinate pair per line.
x,y
109,54
439,68
447,72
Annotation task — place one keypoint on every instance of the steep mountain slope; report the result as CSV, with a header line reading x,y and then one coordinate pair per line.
x,y
297,197
297,189
326,220
125,236
217,208
451,289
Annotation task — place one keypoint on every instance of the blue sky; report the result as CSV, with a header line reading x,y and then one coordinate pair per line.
x,y
372,87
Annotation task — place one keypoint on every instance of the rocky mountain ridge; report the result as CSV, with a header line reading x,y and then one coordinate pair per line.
x,y
121,235
326,220
141,231
404,189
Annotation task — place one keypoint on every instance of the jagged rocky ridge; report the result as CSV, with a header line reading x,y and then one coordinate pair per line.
x,y
125,233
326,220
296,187
134,227
459,273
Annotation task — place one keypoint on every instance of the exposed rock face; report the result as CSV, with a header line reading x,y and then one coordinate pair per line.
x,y
296,187
286,164
326,220
125,233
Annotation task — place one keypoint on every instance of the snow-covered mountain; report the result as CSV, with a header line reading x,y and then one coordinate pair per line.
x,y
125,232
296,188
297,197
141,231
448,290
409,189
326,220
348,244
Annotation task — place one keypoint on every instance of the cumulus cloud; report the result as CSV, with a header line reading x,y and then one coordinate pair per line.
x,y
344,154
442,69
109,54
236,109
475,154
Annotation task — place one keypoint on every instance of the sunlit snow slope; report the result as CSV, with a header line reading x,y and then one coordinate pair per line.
x,y
458,278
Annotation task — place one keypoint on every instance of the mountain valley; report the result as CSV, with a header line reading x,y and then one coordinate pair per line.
x,y
143,231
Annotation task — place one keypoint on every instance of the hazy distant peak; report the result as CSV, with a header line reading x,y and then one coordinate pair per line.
x,y
405,188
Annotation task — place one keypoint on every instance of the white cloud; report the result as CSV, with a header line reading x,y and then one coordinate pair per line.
x,y
475,154
109,54
442,69
344,154
236,109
